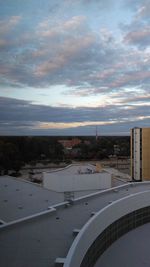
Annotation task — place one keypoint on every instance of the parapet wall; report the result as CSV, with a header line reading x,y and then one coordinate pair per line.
x,y
76,182
106,226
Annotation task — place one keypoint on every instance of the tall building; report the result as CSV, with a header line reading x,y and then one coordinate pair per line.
x,y
140,154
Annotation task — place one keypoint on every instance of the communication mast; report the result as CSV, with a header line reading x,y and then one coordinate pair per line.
x,y
97,135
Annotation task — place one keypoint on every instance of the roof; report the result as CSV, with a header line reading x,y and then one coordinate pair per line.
x,y
39,241
74,169
20,198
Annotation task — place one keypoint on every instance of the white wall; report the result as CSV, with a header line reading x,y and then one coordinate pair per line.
x,y
137,154
101,221
76,182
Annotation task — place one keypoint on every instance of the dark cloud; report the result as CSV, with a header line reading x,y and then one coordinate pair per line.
x,y
139,37
20,110
26,118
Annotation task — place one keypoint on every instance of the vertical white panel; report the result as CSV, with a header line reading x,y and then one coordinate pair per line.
x,y
136,154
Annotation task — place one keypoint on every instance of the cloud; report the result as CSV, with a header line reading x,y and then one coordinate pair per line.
x,y
71,45
68,51
135,4
139,37
124,75
101,4
8,24
7,29
75,24
138,31
25,117
144,11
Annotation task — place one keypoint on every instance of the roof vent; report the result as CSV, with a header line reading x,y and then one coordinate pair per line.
x,y
115,190
67,205
93,213
59,262
75,232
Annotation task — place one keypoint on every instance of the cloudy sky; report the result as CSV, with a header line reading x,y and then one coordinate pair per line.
x,y
67,66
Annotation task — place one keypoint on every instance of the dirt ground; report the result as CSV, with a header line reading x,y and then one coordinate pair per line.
x,y
34,173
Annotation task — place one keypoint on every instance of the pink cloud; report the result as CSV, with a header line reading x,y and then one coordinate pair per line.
x,y
6,26
137,36
3,43
130,78
66,51
45,29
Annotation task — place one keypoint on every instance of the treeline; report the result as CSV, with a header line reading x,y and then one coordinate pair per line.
x,y
15,152
102,148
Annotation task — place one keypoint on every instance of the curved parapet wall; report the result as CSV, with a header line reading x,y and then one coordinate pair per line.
x,y
106,226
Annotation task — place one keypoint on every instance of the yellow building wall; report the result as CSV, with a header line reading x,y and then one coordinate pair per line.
x,y
99,167
145,153
131,163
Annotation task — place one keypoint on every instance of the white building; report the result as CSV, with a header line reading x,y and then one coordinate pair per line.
x,y
77,177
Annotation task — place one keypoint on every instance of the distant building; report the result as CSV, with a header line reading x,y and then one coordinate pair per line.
x,y
87,142
69,144
140,154
116,150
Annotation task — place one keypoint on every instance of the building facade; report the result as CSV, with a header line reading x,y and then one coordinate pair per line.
x,y
140,154
69,144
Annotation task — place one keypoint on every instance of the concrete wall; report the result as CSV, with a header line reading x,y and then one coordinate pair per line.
x,y
76,182
97,224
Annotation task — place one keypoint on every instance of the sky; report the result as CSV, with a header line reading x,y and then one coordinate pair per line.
x,y
69,66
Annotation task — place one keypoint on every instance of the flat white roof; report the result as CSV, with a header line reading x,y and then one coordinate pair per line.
x,y
19,199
